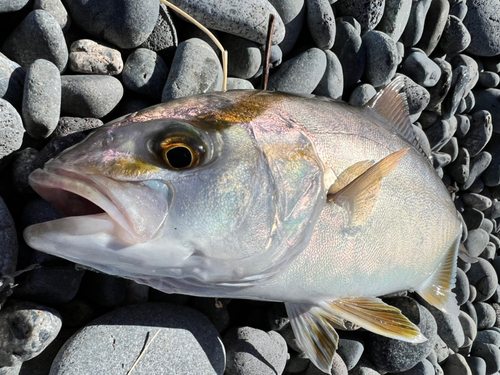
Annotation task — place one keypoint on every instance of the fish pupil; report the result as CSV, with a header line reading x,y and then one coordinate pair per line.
x,y
179,157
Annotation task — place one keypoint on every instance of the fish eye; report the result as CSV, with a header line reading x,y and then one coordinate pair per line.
x,y
181,151
178,156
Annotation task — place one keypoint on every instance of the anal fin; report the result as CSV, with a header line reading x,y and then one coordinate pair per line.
x,y
437,288
360,194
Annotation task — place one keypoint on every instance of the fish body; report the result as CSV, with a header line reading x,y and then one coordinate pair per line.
x,y
258,195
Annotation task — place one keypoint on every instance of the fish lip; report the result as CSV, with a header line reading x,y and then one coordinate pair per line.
x,y
46,181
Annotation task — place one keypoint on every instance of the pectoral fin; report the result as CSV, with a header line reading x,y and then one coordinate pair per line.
x,y
360,194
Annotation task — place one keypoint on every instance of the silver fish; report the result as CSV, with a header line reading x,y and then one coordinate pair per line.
x,y
259,195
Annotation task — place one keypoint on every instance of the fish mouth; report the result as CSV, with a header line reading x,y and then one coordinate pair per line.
x,y
78,195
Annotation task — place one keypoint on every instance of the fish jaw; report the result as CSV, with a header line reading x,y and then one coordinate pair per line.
x,y
84,195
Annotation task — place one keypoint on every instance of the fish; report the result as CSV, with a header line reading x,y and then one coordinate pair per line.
x,y
267,196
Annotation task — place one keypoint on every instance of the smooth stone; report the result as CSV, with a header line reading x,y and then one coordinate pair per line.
x,y
481,130
439,91
488,336
11,129
461,289
477,201
483,277
489,79
90,95
460,78
87,56
459,169
417,96
483,27
392,355
321,23
441,350
332,83
487,225
489,100
26,329
102,289
23,164
469,327
381,58
41,99
253,351
350,351
57,145
70,125
238,84
338,368
8,6
477,365
473,218
292,14
214,309
395,18
362,94
455,38
421,69
364,367
439,134
185,340
296,364
486,316
477,166
145,72
468,307
57,10
470,102
459,10
440,159
456,365
416,21
300,74
491,175
163,39
193,58
367,12
463,126
124,23
247,19
451,148
8,239
245,56
350,51
11,80
471,64
435,22
38,36
491,355
424,367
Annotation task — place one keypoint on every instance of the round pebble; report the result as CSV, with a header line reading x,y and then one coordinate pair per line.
x,y
8,6
8,239
239,84
456,365
416,95
41,99
57,10
483,28
491,355
245,55
439,91
477,166
381,58
350,351
23,164
477,365
455,36
395,18
321,22
332,83
461,289
483,277
435,23
11,80
292,13
90,95
485,315
362,94
481,130
11,129
489,100
421,69
416,21
87,56
367,12
39,36
70,125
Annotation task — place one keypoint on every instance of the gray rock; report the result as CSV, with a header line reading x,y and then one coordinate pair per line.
x,y
238,84
491,175
180,337
435,22
39,36
485,315
477,365
12,5
469,327
332,83
126,24
8,239
459,10
424,367
58,11
470,102
57,145
362,94
23,164
367,12
460,79
491,355
350,351
489,79
395,18
451,148
145,72
416,21
471,64
338,367
70,125
417,96
483,277
488,336
477,201
455,36
11,129
245,56
41,99
292,14
487,225
194,58
479,134
476,241
459,169
364,367
461,289
87,56
477,166
248,19
394,355
90,95
456,365
439,91
26,329
300,74
102,289
483,27
381,58
350,50
439,134
11,80
252,351
463,126
421,69
214,309
489,100
296,364
321,22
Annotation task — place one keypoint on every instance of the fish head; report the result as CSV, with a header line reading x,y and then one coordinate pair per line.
x,y
206,188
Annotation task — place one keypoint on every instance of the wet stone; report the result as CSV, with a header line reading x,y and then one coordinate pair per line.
x,y
421,69
435,23
42,99
455,36
57,10
483,277
300,74
292,14
485,315
193,58
491,355
439,91
253,351
26,329
70,125
461,289
90,95
367,12
332,83
39,36
321,22
489,79
362,94
245,55
11,80
481,130
395,18
145,72
381,58
87,56
415,26
11,129
483,27
126,29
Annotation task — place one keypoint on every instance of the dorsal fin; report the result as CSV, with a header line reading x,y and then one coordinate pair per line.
x,y
391,104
